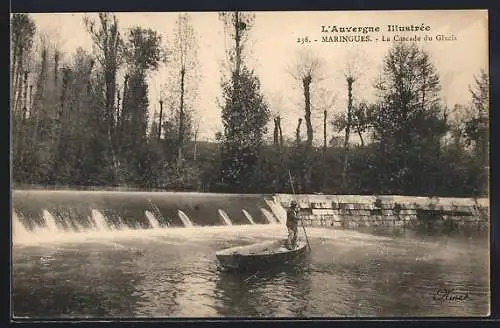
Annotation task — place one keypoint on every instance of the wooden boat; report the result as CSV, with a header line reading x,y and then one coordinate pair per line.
x,y
260,255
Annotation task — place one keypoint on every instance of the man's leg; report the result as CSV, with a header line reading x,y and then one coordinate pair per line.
x,y
295,237
290,237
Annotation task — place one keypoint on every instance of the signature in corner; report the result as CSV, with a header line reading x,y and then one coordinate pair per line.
x,y
450,295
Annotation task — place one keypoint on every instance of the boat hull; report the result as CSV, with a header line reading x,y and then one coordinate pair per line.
x,y
260,256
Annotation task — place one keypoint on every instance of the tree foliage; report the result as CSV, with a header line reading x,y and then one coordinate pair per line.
x,y
408,122
182,85
82,119
245,113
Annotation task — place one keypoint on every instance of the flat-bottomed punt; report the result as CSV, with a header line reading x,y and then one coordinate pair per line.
x,y
260,255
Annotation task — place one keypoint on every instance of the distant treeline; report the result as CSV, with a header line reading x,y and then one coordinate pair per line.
x,y
84,122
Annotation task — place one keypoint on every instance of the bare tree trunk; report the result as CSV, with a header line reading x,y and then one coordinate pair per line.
x,y
30,104
423,93
13,69
119,124
59,125
324,129
349,112
21,126
56,67
181,119
307,98
18,82
160,120
25,95
39,94
275,134
361,138
237,39
195,140
109,76
118,111
297,131
350,81
280,133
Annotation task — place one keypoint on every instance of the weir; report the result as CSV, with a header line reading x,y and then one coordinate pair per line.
x,y
43,211
83,211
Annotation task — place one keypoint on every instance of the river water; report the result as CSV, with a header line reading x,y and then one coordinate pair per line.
x,y
173,272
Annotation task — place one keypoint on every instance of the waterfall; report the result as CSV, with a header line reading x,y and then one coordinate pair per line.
x,y
153,222
18,228
99,221
185,219
269,216
249,217
50,222
225,217
120,225
157,212
278,210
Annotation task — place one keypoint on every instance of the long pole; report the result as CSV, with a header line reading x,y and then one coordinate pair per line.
x,y
301,221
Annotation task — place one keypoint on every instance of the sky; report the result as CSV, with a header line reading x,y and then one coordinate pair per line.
x,y
273,50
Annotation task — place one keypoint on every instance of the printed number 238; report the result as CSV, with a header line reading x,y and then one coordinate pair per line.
x,y
303,39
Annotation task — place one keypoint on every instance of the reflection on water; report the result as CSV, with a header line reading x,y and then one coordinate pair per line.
x,y
279,291
173,272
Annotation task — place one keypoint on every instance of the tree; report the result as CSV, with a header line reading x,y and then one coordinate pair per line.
x,y
352,72
236,28
109,45
361,119
142,54
276,109
476,126
245,114
307,70
325,100
183,76
45,117
409,85
408,123
22,34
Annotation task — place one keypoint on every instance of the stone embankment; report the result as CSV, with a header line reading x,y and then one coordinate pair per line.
x,y
353,211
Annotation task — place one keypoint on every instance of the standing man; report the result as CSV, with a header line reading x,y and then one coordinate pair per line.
x,y
292,221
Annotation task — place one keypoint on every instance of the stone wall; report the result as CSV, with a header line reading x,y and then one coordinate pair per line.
x,y
352,211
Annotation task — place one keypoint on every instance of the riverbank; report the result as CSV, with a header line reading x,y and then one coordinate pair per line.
x,y
357,211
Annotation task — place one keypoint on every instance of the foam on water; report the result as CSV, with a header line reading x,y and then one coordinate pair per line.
x,y
277,209
157,211
153,222
248,216
50,222
269,216
185,219
225,217
99,221
17,227
61,237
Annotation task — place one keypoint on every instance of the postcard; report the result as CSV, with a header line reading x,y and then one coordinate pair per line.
x,y
303,164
